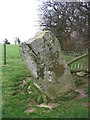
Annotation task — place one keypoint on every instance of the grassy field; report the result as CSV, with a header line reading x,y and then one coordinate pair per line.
x,y
0,81
21,97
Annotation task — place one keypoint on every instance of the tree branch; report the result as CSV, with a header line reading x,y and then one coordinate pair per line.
x,y
77,58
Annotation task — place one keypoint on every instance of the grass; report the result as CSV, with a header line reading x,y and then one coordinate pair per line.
x,y
16,97
79,82
0,81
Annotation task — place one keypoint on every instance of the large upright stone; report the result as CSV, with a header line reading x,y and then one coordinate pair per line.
x,y
46,63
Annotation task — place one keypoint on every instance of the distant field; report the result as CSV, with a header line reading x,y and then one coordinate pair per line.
x,y
17,99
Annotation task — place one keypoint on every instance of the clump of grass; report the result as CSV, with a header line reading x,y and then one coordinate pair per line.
x,y
69,96
79,82
87,89
84,99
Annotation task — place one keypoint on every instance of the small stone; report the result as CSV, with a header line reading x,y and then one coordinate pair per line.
x,y
29,110
49,105
29,87
81,74
29,92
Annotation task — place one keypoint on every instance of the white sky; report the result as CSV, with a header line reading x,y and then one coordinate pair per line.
x,y
17,19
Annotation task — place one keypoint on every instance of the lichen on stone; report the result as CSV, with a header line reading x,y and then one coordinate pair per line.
x,y
39,35
47,65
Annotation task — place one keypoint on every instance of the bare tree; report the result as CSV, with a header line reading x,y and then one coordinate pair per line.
x,y
67,20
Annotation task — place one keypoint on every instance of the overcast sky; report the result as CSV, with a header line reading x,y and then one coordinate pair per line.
x,y
18,19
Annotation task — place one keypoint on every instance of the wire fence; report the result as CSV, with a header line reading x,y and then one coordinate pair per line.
x,y
77,66
10,59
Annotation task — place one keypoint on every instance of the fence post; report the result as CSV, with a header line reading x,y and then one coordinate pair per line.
x,y
4,53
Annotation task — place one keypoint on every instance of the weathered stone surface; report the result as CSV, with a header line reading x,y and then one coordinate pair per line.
x,y
46,63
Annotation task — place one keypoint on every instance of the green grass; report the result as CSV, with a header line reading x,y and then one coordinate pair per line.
x,y
83,62
79,82
0,81
16,98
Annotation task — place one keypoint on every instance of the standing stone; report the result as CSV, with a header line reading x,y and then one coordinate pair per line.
x,y
44,58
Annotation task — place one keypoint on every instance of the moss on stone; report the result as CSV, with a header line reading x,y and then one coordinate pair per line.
x,y
39,35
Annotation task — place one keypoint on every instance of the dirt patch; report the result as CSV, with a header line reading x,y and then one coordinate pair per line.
x,y
29,110
81,93
49,105
85,104
80,88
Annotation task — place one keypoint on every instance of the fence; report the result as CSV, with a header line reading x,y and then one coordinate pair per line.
x,y
77,66
80,64
11,60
